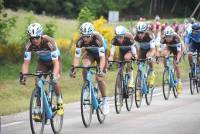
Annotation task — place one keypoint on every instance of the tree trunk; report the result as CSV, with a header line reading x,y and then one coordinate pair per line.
x,y
193,13
150,8
162,5
174,6
155,5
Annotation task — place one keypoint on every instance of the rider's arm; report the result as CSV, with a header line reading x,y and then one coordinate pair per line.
x,y
179,52
27,59
102,57
78,51
152,47
56,67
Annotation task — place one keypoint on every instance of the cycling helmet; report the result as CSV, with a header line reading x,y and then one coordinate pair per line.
x,y
196,26
142,27
169,31
35,30
87,28
120,30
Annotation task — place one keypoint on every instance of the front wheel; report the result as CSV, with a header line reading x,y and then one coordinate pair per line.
x,y
118,94
175,85
36,112
57,120
86,105
166,84
138,89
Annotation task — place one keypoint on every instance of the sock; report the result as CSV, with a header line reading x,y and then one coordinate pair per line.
x,y
178,80
130,76
59,99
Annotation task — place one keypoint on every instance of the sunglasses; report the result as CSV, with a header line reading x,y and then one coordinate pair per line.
x,y
119,37
86,36
140,32
37,37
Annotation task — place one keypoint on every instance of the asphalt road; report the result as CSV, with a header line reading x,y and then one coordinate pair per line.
x,y
175,116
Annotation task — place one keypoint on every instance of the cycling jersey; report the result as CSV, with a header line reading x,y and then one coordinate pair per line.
x,y
127,45
46,51
147,42
98,45
173,45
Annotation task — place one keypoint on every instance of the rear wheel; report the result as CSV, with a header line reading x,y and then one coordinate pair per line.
x,y
166,84
86,107
57,120
118,94
138,90
36,112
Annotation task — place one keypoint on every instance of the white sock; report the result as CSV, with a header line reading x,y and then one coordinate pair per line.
x,y
59,99
179,80
131,75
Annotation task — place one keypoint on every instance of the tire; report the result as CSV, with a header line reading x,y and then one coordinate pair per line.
x,y
166,84
56,121
138,90
86,105
129,95
100,116
174,88
193,84
118,94
37,126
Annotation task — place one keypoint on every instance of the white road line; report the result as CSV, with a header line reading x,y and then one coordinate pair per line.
x,y
11,124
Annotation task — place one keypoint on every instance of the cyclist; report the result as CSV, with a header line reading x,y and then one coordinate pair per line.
x,y
48,59
173,45
94,44
127,50
145,41
193,41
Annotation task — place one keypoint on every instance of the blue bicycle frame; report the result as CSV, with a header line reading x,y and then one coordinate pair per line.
x,y
89,74
143,68
170,69
44,98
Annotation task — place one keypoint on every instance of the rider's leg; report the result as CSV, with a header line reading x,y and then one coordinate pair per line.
x,y
87,60
127,57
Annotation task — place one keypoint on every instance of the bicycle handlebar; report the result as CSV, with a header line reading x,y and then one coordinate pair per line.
x,y
36,74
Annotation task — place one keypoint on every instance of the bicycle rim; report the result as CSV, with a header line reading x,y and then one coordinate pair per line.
x,y
57,120
86,107
36,107
175,88
100,116
166,84
118,94
138,90
129,98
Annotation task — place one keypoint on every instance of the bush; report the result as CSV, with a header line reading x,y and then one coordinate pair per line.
x,y
50,29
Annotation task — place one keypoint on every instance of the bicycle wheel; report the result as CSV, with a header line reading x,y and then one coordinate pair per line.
x,y
138,90
193,83
118,94
100,116
174,87
57,120
129,95
86,105
149,94
166,84
36,112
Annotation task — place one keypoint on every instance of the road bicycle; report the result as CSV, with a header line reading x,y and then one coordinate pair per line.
x,y
193,74
169,78
142,86
90,98
44,104
122,91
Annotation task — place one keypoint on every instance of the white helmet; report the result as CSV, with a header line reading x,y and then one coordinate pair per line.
x,y
120,30
87,28
35,30
169,31
142,27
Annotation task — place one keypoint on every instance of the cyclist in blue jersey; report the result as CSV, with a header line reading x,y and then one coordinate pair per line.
x,y
94,44
193,41
127,50
48,59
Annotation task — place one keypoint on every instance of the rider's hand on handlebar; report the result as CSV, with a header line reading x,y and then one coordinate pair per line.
x,y
22,79
149,58
72,72
100,73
